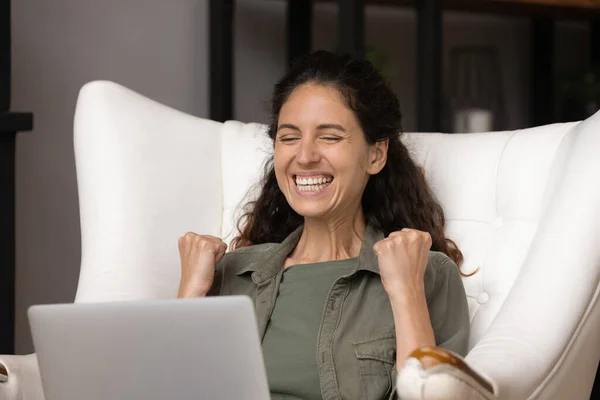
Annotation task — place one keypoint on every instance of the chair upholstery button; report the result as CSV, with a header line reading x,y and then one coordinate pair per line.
x,y
498,222
483,298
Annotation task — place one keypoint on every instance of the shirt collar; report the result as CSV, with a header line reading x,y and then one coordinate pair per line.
x,y
367,259
271,263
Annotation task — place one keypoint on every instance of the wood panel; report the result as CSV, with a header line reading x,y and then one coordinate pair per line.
x,y
429,66
4,55
10,124
351,27
560,9
299,29
7,242
558,3
221,59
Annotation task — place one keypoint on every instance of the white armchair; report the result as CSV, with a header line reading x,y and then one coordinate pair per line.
x,y
524,207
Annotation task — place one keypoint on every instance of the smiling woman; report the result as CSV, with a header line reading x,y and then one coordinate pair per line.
x,y
335,115
318,138
344,250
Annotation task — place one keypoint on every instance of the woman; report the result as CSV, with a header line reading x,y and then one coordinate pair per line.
x,y
344,250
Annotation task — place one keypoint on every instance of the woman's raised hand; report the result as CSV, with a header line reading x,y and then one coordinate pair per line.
x,y
199,255
403,257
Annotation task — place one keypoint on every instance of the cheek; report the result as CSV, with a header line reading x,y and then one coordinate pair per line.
x,y
353,173
363,163
280,167
277,159
351,165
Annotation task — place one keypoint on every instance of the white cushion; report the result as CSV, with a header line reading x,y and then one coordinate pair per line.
x,y
147,174
244,152
492,188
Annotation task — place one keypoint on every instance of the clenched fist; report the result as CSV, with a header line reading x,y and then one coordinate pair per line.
x,y
199,255
402,257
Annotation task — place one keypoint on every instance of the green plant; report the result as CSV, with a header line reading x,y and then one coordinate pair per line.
x,y
581,86
381,61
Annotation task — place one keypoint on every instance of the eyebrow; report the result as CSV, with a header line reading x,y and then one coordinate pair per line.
x,y
321,126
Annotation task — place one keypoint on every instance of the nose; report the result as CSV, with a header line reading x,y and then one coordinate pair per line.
x,y
308,152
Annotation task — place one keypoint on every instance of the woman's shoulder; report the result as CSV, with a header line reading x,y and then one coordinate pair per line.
x,y
439,260
440,269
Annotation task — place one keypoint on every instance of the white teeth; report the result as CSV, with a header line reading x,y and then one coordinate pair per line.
x,y
313,184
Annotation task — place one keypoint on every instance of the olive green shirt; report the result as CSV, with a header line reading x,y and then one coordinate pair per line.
x,y
292,370
356,343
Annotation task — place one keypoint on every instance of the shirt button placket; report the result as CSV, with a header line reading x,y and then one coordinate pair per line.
x,y
330,317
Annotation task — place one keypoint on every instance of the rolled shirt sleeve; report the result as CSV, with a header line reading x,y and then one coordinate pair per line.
x,y
448,312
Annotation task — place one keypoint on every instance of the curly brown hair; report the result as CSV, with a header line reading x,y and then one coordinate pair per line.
x,y
395,198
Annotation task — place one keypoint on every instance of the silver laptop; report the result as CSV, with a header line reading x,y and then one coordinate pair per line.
x,y
196,349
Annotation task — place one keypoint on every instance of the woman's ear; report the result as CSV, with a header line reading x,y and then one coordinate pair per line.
x,y
378,156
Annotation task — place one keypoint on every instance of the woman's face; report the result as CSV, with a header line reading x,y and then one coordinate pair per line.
x,y
322,160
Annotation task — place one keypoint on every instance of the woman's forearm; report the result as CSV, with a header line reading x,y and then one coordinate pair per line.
x,y
411,319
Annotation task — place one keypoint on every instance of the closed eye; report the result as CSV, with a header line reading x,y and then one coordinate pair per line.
x,y
331,138
287,139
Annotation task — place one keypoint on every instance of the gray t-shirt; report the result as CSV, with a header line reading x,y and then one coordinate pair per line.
x,y
290,341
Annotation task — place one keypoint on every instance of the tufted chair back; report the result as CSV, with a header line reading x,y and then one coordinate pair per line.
x,y
523,206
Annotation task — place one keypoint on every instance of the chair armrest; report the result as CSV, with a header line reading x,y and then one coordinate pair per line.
x,y
436,373
21,378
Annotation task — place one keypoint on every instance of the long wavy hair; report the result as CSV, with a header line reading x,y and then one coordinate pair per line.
x,y
395,198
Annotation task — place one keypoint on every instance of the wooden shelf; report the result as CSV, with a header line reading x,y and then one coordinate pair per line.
x,y
557,9
529,8
558,3
15,122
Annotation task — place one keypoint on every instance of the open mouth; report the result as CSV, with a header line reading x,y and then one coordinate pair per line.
x,y
313,183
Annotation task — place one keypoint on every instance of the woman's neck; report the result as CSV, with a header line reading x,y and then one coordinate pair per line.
x,y
332,239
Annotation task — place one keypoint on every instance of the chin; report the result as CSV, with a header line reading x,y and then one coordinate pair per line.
x,y
309,210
